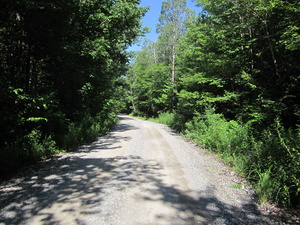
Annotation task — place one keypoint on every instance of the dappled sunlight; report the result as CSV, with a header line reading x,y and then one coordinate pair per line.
x,y
104,183
76,188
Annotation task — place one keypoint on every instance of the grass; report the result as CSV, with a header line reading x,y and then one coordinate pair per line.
x,y
270,161
237,186
164,118
35,146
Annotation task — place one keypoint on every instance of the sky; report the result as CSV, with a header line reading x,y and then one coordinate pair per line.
x,y
151,18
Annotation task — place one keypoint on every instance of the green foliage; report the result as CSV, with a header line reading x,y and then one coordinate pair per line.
x,y
30,149
59,62
215,133
36,147
271,160
242,59
237,186
278,150
164,118
149,84
265,186
152,77
87,130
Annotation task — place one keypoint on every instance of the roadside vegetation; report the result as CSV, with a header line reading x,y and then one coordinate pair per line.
x,y
228,79
269,161
60,62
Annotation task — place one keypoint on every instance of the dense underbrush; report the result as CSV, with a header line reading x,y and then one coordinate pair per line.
x,y
36,145
270,159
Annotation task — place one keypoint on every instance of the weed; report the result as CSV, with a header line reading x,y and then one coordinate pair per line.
x,y
164,118
254,157
87,130
265,186
237,186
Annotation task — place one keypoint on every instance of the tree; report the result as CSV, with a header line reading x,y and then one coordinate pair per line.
x,y
59,63
241,59
238,54
171,28
148,82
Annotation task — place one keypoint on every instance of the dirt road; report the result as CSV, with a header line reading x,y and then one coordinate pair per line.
x,y
141,173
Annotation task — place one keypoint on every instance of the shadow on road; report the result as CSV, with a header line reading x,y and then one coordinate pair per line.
x,y
112,139
75,187
124,126
72,184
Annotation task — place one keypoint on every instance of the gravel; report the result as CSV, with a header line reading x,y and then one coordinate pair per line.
x,y
140,173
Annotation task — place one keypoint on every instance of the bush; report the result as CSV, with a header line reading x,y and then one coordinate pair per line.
x,y
87,130
271,161
36,145
213,132
278,150
179,122
164,118
30,149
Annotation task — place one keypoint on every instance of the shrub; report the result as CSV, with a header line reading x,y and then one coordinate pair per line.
x,y
31,148
87,130
271,160
38,147
213,132
164,118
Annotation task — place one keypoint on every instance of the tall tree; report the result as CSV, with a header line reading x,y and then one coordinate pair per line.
x,y
171,28
148,82
58,63
238,54
241,58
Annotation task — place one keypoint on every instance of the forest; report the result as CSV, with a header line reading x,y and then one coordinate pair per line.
x,y
228,78
59,62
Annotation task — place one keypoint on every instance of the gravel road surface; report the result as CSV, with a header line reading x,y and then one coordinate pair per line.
x,y
141,173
